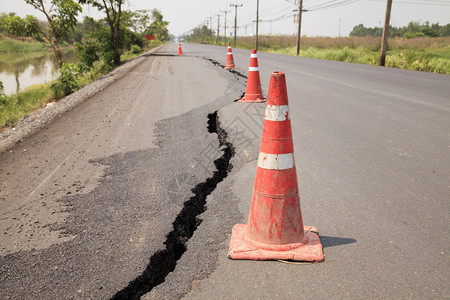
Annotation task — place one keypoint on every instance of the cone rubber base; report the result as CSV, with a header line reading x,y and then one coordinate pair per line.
x,y
230,67
311,251
258,99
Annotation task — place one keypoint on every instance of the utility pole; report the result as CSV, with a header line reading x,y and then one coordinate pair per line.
x,y
235,22
385,33
210,28
300,10
257,20
225,31
218,28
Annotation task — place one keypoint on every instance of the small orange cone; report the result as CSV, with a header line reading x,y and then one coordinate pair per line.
x,y
179,49
230,60
253,91
275,228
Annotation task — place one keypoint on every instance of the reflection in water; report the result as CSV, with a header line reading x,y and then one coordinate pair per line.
x,y
21,70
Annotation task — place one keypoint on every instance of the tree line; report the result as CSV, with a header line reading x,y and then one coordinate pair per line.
x,y
412,30
201,34
105,39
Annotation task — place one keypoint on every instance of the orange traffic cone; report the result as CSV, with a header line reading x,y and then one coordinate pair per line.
x,y
253,91
179,49
230,60
275,228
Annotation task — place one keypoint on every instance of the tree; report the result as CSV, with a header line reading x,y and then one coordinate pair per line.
x,y
31,25
201,34
158,27
359,30
113,11
14,25
61,17
141,20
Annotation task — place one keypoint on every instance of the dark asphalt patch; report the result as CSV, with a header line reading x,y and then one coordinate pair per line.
x,y
163,262
123,221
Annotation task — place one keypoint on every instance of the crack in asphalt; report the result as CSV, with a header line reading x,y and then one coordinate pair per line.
x,y
234,71
163,262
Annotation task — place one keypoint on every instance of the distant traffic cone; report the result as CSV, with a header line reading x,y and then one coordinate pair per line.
x,y
230,60
179,49
275,228
253,91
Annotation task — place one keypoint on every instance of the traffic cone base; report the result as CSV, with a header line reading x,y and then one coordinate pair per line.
x,y
258,98
230,67
241,247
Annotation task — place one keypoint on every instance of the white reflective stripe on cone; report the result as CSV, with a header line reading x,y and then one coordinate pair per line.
x,y
277,113
253,68
253,55
229,53
276,161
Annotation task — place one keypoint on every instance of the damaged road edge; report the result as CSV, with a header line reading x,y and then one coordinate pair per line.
x,y
185,224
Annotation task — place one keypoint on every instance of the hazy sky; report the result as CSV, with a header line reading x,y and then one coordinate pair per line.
x,y
184,15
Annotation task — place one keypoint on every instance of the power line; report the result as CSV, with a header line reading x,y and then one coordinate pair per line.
x,y
420,2
331,4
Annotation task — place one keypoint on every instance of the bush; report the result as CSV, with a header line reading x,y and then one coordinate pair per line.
x,y
87,54
3,98
135,49
67,81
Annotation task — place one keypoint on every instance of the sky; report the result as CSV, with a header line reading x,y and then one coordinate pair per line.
x,y
336,20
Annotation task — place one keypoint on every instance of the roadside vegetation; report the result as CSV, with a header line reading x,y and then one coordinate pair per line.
x,y
421,47
101,45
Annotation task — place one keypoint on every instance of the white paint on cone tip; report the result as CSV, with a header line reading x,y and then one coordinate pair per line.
x,y
276,161
277,113
253,68
253,55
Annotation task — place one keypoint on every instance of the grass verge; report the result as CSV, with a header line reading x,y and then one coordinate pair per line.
x,y
420,54
15,107
419,60
14,46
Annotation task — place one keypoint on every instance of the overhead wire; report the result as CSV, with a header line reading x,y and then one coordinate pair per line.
x,y
420,2
314,5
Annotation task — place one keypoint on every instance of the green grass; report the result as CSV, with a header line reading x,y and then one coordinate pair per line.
x,y
13,108
419,60
421,54
14,46
128,55
439,52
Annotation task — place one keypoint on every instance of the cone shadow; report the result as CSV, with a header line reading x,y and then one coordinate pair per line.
x,y
331,241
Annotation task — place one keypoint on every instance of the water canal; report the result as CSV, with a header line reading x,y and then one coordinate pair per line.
x,y
21,70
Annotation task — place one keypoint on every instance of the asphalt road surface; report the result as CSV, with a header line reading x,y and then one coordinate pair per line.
x,y
134,192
